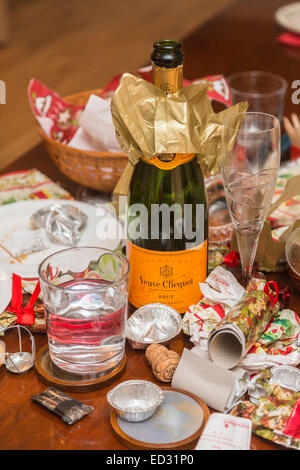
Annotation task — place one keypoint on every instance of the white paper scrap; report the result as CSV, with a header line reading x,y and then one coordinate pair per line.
x,y
225,432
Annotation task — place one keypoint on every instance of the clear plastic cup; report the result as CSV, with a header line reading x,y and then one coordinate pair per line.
x,y
264,91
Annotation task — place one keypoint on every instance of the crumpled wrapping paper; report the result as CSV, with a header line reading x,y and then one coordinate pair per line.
x,y
221,286
279,343
220,291
273,414
149,122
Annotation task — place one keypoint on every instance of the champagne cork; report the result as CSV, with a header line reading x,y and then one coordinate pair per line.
x,y
163,362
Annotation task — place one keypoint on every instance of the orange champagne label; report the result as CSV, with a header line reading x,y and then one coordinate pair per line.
x,y
168,161
168,277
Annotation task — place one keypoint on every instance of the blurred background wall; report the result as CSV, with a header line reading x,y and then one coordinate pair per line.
x,y
77,45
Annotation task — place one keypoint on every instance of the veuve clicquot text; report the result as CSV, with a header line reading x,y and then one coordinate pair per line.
x,y
167,217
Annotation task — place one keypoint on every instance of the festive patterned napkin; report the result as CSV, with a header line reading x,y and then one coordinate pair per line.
x,y
29,184
58,119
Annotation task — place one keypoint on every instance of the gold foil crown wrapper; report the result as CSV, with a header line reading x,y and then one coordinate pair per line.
x,y
148,122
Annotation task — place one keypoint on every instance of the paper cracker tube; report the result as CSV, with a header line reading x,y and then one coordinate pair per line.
x,y
234,335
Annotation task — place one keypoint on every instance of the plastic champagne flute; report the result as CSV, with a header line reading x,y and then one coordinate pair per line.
x,y
250,158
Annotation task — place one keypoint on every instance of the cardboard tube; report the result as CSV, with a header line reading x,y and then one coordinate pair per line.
x,y
225,349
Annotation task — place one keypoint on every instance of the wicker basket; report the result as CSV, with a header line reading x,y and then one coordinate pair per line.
x,y
97,170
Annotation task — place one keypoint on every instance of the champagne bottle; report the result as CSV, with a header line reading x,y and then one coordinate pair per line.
x,y
167,217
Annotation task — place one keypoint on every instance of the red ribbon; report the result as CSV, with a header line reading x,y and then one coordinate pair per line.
x,y
294,153
232,259
289,39
273,298
25,316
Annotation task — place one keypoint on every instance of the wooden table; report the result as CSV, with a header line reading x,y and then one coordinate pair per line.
x,y
243,37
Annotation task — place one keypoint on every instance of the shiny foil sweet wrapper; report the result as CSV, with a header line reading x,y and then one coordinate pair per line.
x,y
62,223
263,383
286,376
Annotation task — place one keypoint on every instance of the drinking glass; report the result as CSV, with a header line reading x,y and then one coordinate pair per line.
x,y
85,296
250,158
264,91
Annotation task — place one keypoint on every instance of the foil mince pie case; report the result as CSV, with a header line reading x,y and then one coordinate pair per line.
x,y
153,323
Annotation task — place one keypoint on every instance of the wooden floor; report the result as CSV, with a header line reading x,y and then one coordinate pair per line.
x,y
78,45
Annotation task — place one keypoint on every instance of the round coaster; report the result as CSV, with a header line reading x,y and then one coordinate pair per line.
x,y
177,423
50,374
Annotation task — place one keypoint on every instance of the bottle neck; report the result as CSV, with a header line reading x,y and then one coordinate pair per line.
x,y
169,80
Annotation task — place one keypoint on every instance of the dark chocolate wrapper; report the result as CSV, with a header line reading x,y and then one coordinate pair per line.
x,y
69,409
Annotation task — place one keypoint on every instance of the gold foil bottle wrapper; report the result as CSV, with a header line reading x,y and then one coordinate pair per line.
x,y
148,122
168,79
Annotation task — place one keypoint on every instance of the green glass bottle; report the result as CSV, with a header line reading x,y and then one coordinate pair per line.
x,y
167,216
